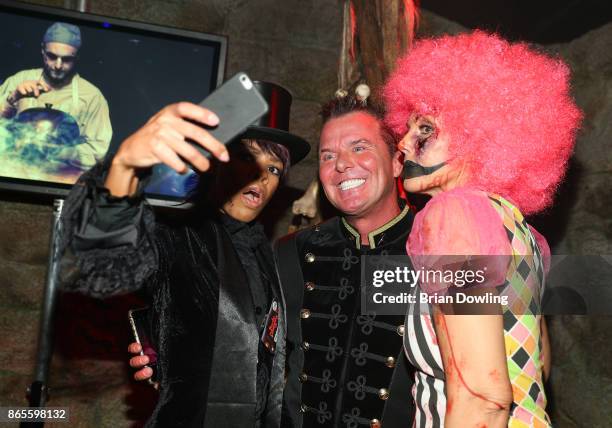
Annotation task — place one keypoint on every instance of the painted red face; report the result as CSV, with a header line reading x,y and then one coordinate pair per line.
x,y
355,167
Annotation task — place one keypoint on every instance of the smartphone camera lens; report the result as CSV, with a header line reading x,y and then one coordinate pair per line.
x,y
246,82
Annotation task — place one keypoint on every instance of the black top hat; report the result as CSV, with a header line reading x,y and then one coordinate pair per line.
x,y
274,126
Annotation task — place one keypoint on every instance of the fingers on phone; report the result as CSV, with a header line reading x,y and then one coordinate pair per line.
x,y
197,133
134,348
139,361
143,374
195,158
166,152
189,153
203,138
195,112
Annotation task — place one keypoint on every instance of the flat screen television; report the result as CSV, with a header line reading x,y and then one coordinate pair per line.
x,y
108,76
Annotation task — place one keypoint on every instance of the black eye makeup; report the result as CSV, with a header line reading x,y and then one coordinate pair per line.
x,y
421,145
426,129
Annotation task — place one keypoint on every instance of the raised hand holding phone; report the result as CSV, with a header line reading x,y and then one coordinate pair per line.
x,y
237,103
163,139
185,133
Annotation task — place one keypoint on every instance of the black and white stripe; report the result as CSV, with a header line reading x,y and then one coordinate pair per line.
x,y
420,345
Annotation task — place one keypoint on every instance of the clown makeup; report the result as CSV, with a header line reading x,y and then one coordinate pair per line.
x,y
425,149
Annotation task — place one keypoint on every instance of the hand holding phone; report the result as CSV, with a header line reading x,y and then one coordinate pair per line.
x,y
139,322
237,104
186,133
163,139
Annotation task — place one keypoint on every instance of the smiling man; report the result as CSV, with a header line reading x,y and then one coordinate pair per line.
x,y
358,165
58,87
345,368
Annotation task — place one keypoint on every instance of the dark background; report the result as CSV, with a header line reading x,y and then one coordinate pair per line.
x,y
137,71
296,43
539,21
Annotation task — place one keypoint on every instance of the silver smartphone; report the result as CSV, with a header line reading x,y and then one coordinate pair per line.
x,y
237,103
140,323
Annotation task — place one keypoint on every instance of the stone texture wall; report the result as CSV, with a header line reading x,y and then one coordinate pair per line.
x,y
581,223
294,43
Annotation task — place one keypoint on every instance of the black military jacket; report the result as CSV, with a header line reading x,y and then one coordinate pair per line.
x,y
345,368
205,320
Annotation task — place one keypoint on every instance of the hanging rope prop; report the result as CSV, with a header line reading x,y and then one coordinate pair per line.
x,y
375,33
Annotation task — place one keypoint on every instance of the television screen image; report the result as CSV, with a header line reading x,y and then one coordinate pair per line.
x,y
73,86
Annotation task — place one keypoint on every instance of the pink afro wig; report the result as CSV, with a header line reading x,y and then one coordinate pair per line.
x,y
506,108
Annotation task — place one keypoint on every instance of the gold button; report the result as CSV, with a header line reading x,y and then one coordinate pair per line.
x,y
304,313
390,362
303,408
375,423
310,286
303,377
305,346
400,330
383,393
317,228
309,257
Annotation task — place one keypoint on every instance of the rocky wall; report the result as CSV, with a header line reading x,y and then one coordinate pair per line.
x,y
292,43
295,43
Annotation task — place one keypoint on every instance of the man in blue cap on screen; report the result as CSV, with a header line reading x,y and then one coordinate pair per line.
x,y
58,86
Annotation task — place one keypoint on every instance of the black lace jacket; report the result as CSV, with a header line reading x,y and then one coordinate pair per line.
x,y
197,270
